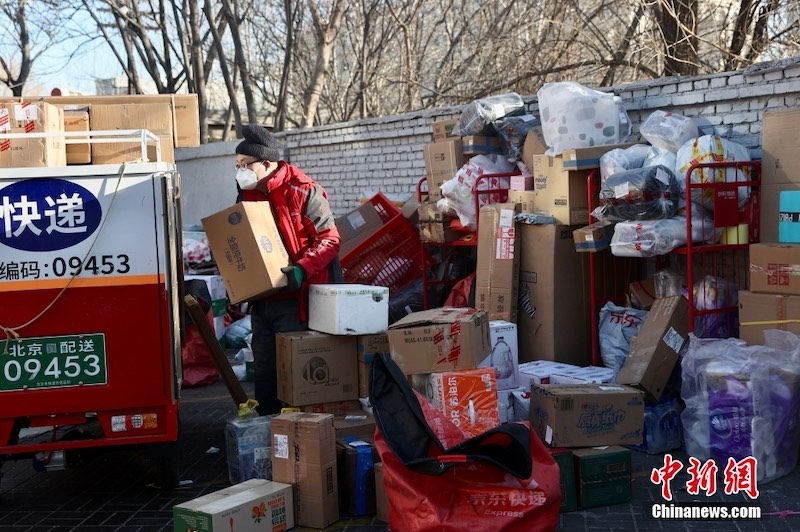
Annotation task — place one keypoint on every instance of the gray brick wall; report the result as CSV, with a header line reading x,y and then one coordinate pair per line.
x,y
355,159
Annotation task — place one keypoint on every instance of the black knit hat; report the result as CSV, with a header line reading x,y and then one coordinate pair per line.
x,y
259,143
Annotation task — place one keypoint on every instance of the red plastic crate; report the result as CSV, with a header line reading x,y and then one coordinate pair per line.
x,y
391,257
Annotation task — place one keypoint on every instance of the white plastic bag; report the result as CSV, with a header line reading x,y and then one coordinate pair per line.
x,y
668,131
478,115
574,116
621,159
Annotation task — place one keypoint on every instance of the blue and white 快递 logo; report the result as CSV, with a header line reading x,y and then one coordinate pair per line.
x,y
47,214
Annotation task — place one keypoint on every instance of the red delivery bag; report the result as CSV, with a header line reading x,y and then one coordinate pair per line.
x,y
438,478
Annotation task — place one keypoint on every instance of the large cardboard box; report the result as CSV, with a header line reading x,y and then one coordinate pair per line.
x,y
356,460
78,120
561,192
315,367
583,415
496,278
504,358
381,501
655,349
442,161
780,147
304,454
367,346
155,117
775,268
553,318
441,339
248,250
467,397
252,506
603,476
759,312
348,309
356,226
35,152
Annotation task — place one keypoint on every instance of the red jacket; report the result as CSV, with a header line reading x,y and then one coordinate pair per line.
x,y
307,227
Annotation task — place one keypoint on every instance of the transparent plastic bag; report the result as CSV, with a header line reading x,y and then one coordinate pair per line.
x,y
640,194
668,131
574,116
477,117
649,238
621,159
513,130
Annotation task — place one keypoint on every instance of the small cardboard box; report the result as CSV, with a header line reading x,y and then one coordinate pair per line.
x,y
581,415
356,424
304,454
367,346
587,375
251,506
594,237
356,226
381,501
315,367
437,232
248,250
759,312
526,199
475,144
356,460
427,211
539,372
444,157
566,466
603,476
441,339
497,274
789,217
78,120
775,268
31,118
642,294
561,192
467,397
334,407
348,309
505,354
443,129
655,350
521,182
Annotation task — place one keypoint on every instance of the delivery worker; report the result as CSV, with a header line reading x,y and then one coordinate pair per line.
x,y
304,219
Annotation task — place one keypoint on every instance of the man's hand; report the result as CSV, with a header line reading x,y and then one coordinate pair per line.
x,y
295,274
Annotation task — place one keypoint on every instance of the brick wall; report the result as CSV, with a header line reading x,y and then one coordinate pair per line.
x,y
354,159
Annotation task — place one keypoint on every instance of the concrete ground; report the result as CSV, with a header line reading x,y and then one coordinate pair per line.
x,y
115,491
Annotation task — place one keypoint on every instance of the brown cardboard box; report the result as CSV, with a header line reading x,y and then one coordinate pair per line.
x,y
587,158
34,117
78,120
367,345
442,161
553,318
357,423
642,294
654,351
334,407
475,144
534,145
155,117
594,237
304,454
497,274
248,250
780,147
440,339
562,193
775,268
525,198
381,501
356,461
356,226
429,212
759,312
438,232
583,415
443,129
315,367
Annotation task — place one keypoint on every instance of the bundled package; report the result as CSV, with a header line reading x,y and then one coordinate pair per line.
x,y
662,427
713,293
668,131
640,194
248,442
618,326
622,159
513,130
649,238
709,149
742,401
477,117
459,192
574,116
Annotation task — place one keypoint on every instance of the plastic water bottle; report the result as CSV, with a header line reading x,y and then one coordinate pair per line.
x,y
501,359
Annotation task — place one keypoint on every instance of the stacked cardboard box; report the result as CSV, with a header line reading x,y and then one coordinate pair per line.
x,y
29,119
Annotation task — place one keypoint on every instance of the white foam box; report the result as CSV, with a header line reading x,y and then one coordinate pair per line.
x,y
589,374
504,358
505,404
348,309
539,371
251,506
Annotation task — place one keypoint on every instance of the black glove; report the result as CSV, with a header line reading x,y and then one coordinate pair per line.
x,y
295,274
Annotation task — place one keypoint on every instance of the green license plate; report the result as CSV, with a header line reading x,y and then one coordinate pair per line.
x,y
52,362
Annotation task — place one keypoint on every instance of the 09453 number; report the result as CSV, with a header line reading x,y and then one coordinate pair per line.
x,y
96,265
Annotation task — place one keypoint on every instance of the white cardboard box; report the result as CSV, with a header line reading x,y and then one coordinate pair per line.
x,y
539,372
348,309
589,374
252,506
504,358
505,404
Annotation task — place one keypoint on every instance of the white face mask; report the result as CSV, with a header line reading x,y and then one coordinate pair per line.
x,y
246,178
